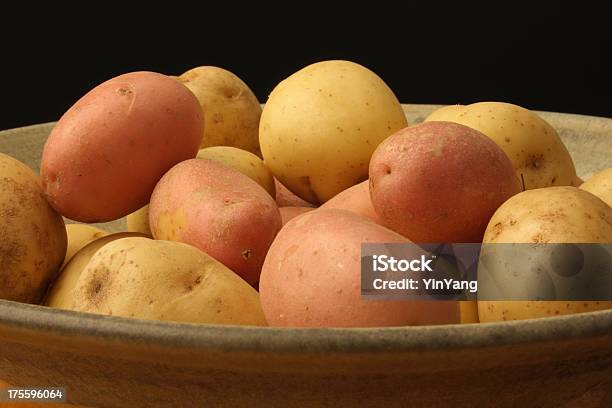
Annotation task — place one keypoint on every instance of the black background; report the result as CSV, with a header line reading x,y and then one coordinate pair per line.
x,y
552,56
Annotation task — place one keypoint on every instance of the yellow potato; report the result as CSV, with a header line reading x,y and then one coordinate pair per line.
x,y
80,235
32,235
231,110
547,215
600,185
138,221
538,155
163,280
60,294
321,125
245,162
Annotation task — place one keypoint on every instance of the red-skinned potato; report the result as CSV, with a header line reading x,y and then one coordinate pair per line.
x,y
306,282
107,152
440,182
218,210
289,213
356,199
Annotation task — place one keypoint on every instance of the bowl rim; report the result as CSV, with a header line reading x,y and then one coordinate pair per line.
x,y
71,324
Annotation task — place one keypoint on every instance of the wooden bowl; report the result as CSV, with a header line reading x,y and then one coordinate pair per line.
x,y
117,362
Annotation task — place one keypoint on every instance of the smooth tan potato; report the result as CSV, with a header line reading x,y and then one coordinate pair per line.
x,y
138,221
289,213
107,152
164,280
439,182
554,214
534,147
547,215
218,210
80,235
60,293
231,109
312,277
285,198
32,235
321,125
356,199
245,162
601,185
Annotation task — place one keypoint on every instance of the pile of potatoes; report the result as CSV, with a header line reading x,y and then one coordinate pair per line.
x,y
238,215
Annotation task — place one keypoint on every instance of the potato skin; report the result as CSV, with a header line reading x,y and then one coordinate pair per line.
x,y
547,215
600,185
320,126
306,282
218,210
285,198
553,214
232,109
440,182
163,280
107,152
245,162
80,235
356,199
59,294
138,221
534,147
289,213
32,235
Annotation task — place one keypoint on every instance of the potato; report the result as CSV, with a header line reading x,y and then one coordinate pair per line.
x,y
232,110
80,235
32,235
601,185
163,280
138,221
321,125
312,277
440,182
537,153
60,293
245,162
289,213
218,210
356,199
285,198
547,215
107,152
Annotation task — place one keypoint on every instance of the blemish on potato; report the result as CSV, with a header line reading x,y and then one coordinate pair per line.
x,y
497,229
246,254
124,91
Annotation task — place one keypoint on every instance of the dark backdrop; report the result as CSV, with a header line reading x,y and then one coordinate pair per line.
x,y
549,57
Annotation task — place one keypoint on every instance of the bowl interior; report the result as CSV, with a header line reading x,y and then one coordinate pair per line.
x,y
589,140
